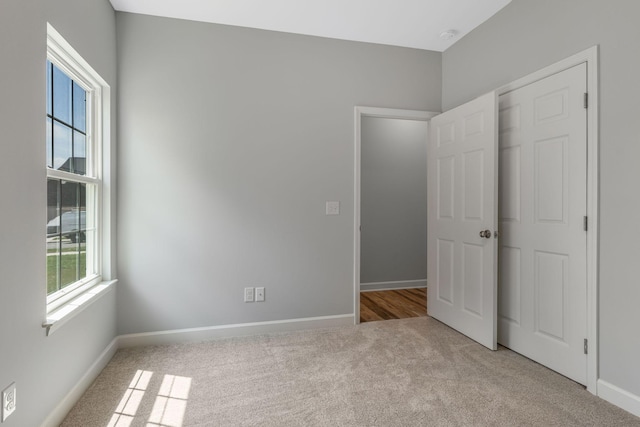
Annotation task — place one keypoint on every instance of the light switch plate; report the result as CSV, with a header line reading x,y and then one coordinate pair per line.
x,y
333,208
8,401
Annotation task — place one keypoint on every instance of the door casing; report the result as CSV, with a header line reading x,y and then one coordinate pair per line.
x,y
386,113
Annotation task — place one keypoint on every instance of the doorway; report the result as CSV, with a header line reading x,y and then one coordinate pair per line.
x,y
389,224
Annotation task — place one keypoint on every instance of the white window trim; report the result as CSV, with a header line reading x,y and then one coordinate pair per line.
x,y
69,303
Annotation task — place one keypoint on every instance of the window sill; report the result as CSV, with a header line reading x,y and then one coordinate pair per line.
x,y
69,310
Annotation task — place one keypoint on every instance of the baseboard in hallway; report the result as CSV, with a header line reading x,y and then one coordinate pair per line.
x,y
388,286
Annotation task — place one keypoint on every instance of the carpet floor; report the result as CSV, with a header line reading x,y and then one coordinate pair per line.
x,y
408,372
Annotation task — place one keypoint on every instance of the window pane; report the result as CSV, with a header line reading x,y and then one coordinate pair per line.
x,y
70,216
61,147
61,96
82,205
79,153
66,233
49,143
49,87
53,207
89,198
71,234
68,267
53,263
79,108
82,258
53,234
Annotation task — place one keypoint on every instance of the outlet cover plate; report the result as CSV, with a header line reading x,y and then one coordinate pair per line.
x,y
248,294
8,401
259,294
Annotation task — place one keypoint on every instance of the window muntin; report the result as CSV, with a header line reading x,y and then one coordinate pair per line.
x,y
72,184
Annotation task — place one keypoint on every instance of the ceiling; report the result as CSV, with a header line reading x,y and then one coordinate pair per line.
x,y
409,23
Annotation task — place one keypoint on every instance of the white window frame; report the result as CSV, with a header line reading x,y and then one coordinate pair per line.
x,y
72,299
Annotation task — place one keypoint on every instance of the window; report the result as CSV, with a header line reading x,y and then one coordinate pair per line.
x,y
72,185
76,234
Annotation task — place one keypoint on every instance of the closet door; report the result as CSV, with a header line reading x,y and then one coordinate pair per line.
x,y
543,245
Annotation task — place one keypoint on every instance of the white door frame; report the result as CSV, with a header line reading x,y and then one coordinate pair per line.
x,y
386,113
590,57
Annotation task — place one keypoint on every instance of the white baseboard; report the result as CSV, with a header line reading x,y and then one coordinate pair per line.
x,y
619,397
61,410
389,286
236,330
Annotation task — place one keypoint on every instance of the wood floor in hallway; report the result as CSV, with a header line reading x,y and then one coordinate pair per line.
x,y
398,304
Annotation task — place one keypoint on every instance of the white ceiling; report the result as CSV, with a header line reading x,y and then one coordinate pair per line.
x,y
409,23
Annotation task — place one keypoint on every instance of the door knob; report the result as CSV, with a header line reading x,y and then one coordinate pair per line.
x,y
486,234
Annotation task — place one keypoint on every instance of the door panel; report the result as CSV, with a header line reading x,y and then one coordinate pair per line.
x,y
543,187
473,185
509,287
444,272
472,261
510,184
550,180
462,182
445,188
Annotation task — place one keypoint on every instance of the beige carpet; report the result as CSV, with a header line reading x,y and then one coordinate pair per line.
x,y
410,372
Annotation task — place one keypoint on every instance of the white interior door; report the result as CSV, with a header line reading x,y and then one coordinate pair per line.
x,y
462,218
543,203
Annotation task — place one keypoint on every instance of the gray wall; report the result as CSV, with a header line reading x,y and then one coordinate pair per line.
x,y
393,200
528,35
231,141
44,368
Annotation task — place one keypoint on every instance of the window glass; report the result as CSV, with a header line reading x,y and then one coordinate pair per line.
x,y
61,96
82,234
53,234
79,108
67,122
62,148
66,233
79,153
49,142
49,69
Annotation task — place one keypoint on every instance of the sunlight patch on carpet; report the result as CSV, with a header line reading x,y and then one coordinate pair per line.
x,y
169,407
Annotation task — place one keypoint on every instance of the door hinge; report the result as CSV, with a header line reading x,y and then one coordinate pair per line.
x,y
586,100
586,223
586,346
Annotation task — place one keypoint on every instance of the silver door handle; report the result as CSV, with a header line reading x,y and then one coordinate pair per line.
x,y
486,234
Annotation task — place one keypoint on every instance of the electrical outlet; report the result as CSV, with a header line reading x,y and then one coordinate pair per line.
x,y
8,401
248,294
259,294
